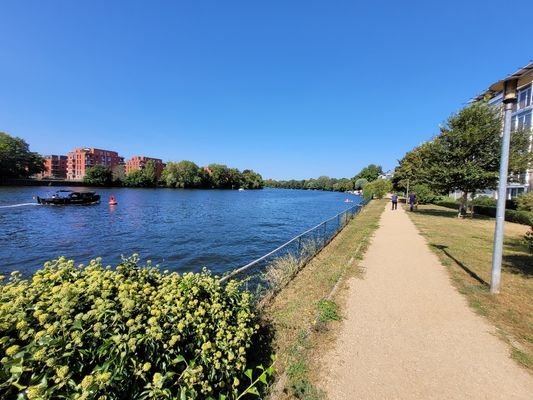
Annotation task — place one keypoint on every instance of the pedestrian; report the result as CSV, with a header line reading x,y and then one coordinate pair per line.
x,y
394,200
412,200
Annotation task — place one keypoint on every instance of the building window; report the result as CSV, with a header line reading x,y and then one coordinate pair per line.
x,y
524,98
522,121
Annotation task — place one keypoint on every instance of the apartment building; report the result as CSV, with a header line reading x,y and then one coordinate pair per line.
x,y
83,158
54,167
522,117
137,163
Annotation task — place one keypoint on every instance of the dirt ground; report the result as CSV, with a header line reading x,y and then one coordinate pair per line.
x,y
408,334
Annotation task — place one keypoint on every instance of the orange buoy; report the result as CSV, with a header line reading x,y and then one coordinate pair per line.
x,y
112,201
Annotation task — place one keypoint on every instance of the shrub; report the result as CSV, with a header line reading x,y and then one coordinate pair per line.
x,y
132,332
519,217
525,202
424,194
448,202
484,201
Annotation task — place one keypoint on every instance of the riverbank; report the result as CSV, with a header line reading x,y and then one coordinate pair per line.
x,y
299,314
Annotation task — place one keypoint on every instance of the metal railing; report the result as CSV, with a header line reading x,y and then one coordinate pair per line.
x,y
271,272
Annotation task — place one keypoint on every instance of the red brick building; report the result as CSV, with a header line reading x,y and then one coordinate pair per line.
x,y
82,158
137,163
54,167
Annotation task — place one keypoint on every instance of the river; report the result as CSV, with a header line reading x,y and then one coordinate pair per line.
x,y
179,230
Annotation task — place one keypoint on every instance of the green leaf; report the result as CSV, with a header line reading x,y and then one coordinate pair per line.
x,y
249,373
263,378
178,359
253,390
16,369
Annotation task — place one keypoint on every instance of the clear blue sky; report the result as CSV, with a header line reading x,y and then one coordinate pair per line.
x,y
291,89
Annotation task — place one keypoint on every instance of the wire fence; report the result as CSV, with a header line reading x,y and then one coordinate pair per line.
x,y
269,273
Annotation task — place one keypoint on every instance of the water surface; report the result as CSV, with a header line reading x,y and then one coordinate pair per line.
x,y
182,230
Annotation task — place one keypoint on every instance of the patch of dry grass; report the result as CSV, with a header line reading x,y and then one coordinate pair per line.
x,y
465,247
295,308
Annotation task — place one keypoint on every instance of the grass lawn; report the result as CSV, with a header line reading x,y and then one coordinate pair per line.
x,y
295,309
465,247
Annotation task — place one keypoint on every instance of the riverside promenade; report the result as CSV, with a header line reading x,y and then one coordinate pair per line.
x,y
408,333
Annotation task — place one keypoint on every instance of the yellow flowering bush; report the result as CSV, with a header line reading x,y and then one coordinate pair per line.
x,y
130,332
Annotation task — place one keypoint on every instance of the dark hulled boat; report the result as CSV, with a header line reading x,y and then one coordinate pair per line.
x,y
69,197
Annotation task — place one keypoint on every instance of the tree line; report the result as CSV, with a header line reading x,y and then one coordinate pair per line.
x,y
183,174
368,174
17,161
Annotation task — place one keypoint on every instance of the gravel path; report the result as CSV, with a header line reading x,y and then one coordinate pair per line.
x,y
409,334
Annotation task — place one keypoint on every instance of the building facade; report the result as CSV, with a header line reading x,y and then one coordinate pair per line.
x,y
522,117
83,158
137,163
54,167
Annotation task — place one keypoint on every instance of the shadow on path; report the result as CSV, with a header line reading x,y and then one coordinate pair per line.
x,y
459,263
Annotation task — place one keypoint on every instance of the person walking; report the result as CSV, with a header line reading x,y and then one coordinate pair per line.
x,y
394,200
412,200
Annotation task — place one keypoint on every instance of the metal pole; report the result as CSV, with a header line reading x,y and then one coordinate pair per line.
x,y
502,196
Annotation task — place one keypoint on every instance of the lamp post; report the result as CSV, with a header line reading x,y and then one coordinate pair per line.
x,y
509,98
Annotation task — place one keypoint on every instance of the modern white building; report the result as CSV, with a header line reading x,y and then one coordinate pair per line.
x,y
521,119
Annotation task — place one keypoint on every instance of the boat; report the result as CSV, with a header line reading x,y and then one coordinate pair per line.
x,y
112,201
69,197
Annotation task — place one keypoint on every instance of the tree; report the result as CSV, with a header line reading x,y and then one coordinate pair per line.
x,y
183,174
360,183
251,180
221,177
150,173
16,159
119,174
465,156
413,168
137,179
343,185
377,188
370,173
98,175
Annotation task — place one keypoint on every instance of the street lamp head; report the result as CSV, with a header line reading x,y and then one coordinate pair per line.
x,y
509,90
508,87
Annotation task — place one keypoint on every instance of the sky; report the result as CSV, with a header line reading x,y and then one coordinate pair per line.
x,y
291,89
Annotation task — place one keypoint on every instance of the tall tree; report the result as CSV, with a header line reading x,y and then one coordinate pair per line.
x,y
150,173
16,159
413,168
466,154
370,173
